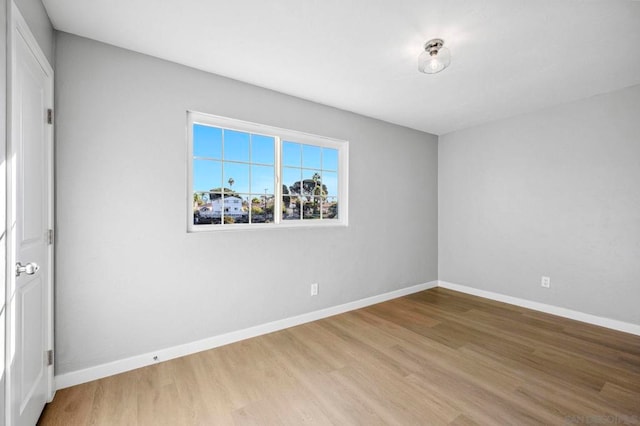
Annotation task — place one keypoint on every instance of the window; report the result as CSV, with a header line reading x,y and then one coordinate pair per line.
x,y
246,175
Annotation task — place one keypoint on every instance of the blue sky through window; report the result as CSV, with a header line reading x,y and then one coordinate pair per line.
x,y
236,146
207,141
248,160
240,161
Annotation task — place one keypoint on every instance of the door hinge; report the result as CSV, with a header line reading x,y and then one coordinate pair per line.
x,y
49,116
49,357
50,236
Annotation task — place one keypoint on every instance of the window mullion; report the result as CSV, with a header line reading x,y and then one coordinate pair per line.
x,y
277,191
222,191
250,207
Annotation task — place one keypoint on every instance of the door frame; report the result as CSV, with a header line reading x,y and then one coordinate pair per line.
x,y
17,26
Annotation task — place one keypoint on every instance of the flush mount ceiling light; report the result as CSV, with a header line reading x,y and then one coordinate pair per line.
x,y
435,57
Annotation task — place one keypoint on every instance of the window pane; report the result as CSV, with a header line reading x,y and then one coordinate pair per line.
x,y
330,180
291,154
215,207
262,179
287,200
202,210
206,209
271,203
291,179
311,157
312,183
329,159
236,146
330,208
236,177
234,211
262,149
200,199
262,208
257,204
246,206
207,141
312,208
207,175
291,207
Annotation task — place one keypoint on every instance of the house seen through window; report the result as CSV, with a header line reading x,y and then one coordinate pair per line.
x,y
244,174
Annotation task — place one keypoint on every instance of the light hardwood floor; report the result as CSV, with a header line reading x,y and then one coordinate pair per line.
x,y
435,357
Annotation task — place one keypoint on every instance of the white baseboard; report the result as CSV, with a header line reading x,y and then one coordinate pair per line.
x,y
549,309
120,366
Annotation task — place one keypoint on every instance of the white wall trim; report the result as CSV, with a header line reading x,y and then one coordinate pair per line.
x,y
120,366
549,309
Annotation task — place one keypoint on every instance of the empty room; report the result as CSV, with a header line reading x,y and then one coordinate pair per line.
x,y
412,212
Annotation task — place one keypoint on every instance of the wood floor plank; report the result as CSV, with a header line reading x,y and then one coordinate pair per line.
x,y
430,358
394,399
548,384
295,407
622,397
73,405
115,400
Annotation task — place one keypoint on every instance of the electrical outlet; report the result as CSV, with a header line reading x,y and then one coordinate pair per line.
x,y
314,289
545,282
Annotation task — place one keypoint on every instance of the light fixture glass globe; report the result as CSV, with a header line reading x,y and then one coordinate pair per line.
x,y
435,57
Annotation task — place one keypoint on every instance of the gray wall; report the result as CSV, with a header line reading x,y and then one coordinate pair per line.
x,y
3,194
38,21
131,280
556,193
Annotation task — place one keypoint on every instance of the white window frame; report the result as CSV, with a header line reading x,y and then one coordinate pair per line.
x,y
279,135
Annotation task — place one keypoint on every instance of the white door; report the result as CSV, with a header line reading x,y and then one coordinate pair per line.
x,y
30,337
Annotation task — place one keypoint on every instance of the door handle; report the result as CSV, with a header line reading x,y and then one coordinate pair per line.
x,y
29,268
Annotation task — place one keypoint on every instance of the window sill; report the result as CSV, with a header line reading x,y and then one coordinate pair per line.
x,y
198,229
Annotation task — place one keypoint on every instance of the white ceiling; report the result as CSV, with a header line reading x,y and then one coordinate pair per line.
x,y
508,56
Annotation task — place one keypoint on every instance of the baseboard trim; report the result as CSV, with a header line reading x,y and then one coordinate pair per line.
x,y
549,309
120,366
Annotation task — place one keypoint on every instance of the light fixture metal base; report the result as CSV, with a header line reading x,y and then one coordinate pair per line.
x,y
434,45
